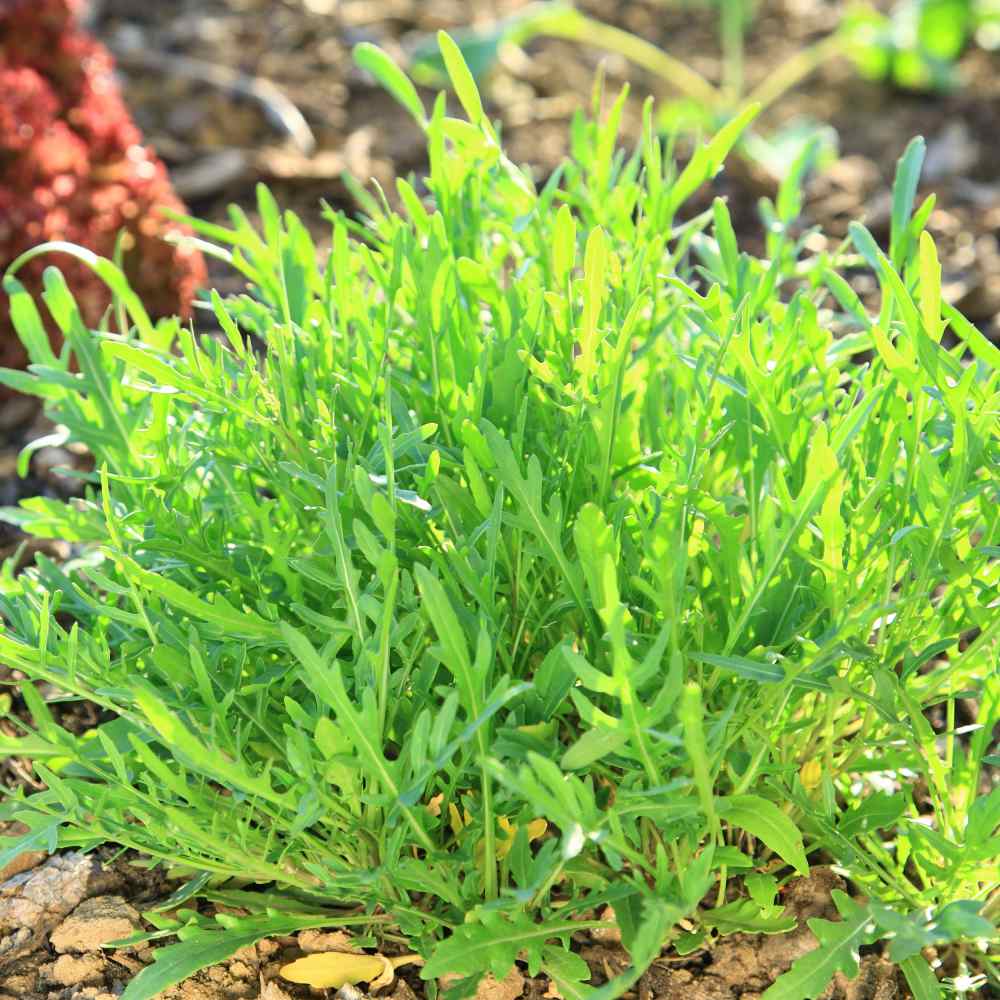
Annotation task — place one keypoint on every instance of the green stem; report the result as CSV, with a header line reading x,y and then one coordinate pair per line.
x,y
794,70
573,26
731,33
576,27
489,832
691,712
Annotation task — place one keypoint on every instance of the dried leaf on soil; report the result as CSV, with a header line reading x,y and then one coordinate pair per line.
x,y
334,969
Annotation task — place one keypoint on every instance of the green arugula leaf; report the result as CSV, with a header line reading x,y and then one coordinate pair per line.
x,y
837,952
767,823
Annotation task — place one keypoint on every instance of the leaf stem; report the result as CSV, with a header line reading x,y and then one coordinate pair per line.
x,y
731,33
794,70
577,27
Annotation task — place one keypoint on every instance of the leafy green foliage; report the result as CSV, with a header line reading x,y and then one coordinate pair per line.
x,y
515,562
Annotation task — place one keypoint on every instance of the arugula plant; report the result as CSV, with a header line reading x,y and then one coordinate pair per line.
x,y
539,552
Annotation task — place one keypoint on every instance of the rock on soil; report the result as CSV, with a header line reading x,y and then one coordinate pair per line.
x,y
72,970
272,991
34,902
94,923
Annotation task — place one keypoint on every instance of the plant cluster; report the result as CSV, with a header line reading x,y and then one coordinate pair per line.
x,y
553,555
73,167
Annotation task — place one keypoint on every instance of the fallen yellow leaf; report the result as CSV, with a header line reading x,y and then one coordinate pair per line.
x,y
537,828
333,969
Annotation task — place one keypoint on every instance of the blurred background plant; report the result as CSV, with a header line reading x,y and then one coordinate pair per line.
x,y
917,45
73,166
698,104
230,92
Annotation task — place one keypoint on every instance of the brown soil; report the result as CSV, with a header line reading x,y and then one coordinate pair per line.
x,y
58,917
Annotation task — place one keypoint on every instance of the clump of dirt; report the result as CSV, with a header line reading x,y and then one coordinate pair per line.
x,y
94,923
743,966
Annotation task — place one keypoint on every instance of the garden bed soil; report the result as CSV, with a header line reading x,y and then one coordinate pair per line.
x,y
55,913
58,914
